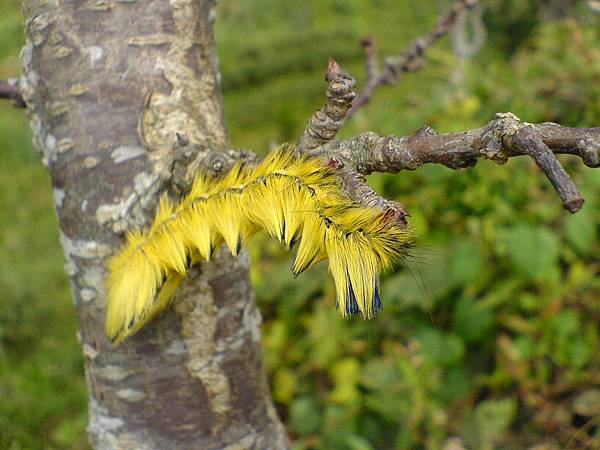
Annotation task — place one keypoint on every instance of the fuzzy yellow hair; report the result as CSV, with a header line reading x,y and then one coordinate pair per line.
x,y
293,198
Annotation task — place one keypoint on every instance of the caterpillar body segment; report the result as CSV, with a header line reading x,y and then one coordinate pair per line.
x,y
197,232
295,199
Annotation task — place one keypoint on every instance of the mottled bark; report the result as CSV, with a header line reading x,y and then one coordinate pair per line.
x,y
10,89
124,105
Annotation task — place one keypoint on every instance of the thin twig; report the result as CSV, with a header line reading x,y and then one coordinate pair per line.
x,y
358,189
372,63
322,128
9,89
324,124
410,61
530,142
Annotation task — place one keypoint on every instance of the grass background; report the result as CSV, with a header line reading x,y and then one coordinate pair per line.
x,y
490,340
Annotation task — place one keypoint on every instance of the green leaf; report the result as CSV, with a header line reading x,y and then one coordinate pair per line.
x,y
483,427
444,349
345,374
379,374
305,415
284,385
581,229
532,251
466,262
355,442
472,319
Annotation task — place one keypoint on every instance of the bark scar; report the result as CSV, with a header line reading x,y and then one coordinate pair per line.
x,y
199,315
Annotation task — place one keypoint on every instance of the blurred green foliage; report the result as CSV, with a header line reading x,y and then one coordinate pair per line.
x,y
490,336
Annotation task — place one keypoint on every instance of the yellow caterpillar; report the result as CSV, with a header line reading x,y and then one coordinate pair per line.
x,y
294,198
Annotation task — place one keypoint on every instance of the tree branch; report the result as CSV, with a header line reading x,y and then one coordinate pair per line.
x,y
324,124
530,142
322,128
9,89
504,137
412,60
365,195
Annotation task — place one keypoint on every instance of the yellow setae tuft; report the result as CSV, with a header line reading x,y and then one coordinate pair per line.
x,y
294,198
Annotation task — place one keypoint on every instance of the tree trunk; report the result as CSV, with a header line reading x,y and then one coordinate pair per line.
x,y
124,105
